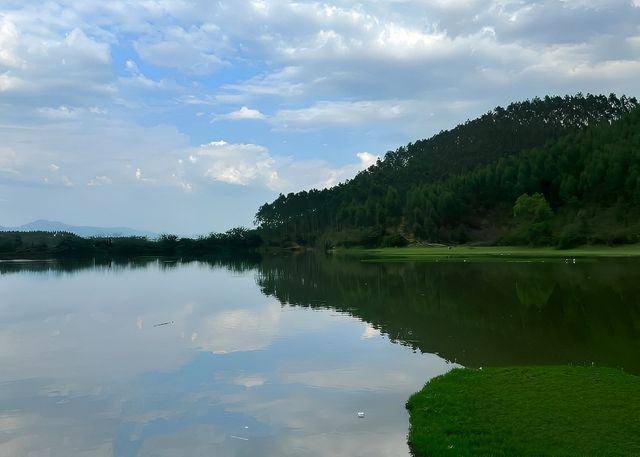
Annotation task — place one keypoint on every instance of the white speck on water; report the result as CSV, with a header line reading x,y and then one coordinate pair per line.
x,y
238,438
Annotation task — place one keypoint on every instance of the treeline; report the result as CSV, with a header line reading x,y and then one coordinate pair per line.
x,y
582,188
461,185
64,244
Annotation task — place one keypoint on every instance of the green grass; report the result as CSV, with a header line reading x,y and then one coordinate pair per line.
x,y
527,411
474,253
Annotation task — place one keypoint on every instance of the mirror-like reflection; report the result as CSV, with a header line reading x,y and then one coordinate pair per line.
x,y
165,358
241,357
480,314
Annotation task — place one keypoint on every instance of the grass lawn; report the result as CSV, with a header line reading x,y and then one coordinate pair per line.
x,y
474,253
527,411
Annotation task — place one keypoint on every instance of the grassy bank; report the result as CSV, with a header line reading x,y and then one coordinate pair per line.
x,y
471,253
541,411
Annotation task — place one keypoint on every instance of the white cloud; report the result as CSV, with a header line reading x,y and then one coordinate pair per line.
x,y
368,75
11,83
367,159
59,113
237,163
99,181
9,38
131,66
252,164
139,80
8,161
243,113
87,49
320,175
41,63
343,113
191,50
286,82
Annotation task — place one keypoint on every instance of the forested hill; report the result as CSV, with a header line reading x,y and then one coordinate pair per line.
x,y
461,185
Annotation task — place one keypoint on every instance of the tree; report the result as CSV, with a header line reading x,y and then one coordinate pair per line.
x,y
168,243
534,215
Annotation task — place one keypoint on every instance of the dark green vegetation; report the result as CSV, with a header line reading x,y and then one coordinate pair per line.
x,y
488,253
542,411
552,171
478,313
63,244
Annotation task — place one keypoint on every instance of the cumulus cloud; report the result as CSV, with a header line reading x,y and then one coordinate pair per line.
x,y
236,163
58,65
243,113
252,164
102,89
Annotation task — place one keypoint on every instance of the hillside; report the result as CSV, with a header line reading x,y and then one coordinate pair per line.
x,y
461,185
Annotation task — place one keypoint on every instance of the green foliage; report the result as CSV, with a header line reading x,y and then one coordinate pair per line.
x,y
482,312
534,208
9,243
42,244
168,243
488,253
460,185
394,241
534,215
568,411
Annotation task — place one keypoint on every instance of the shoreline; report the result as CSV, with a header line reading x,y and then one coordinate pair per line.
x,y
489,253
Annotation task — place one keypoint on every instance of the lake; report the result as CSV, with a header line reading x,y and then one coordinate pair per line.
x,y
276,357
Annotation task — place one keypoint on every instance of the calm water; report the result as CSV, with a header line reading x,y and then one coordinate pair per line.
x,y
275,358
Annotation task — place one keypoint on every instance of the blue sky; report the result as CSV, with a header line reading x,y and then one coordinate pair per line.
x,y
185,116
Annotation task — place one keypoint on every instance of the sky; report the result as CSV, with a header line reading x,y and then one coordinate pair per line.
x,y
185,116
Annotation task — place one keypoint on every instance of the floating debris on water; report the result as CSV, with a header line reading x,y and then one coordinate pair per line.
x,y
361,414
238,438
163,323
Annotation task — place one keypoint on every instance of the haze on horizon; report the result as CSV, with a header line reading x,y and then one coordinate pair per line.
x,y
185,116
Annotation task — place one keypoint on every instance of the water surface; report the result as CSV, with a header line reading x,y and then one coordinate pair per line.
x,y
275,358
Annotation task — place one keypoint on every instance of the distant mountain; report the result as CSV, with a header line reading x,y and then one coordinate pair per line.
x,y
85,231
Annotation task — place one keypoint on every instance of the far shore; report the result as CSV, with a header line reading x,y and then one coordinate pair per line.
x,y
488,253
